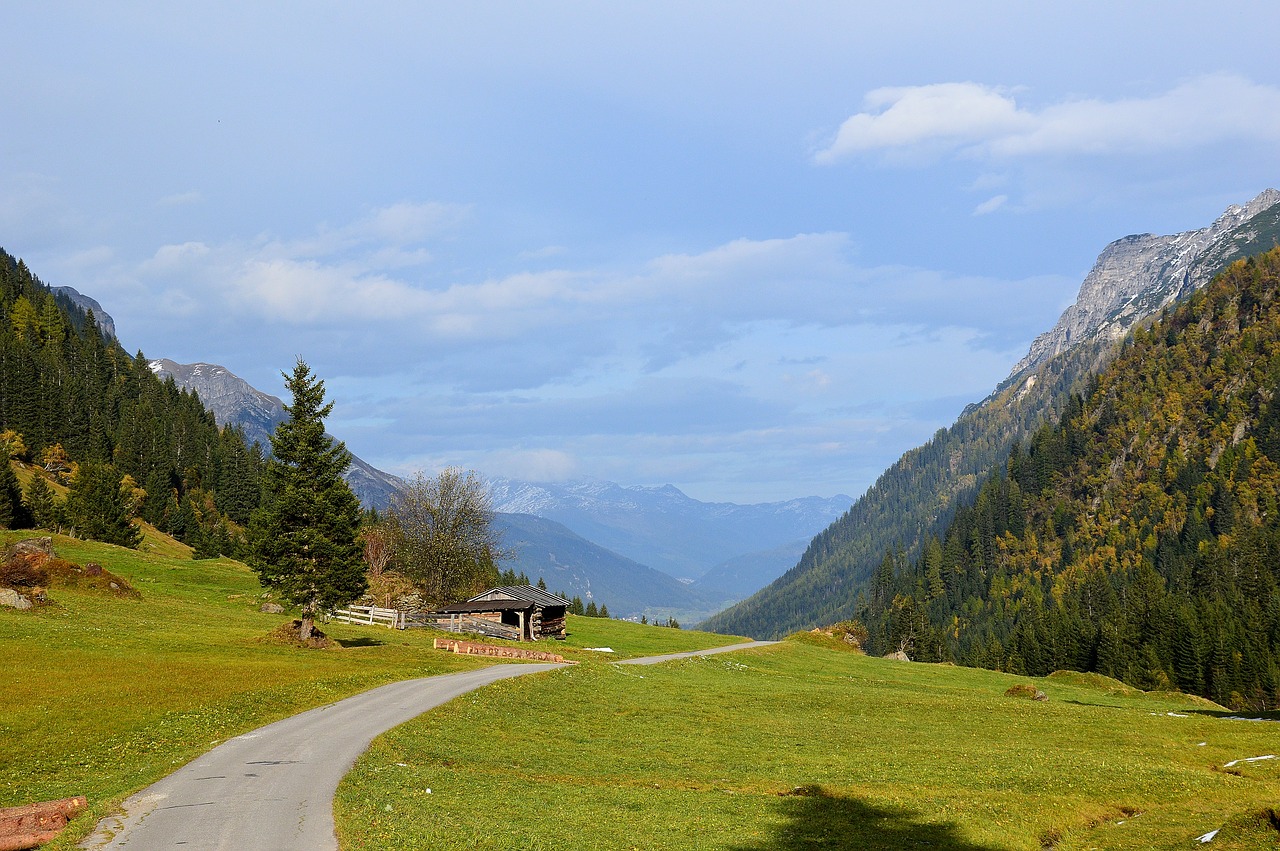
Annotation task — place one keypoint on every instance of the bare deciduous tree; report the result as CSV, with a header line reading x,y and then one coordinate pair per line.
x,y
445,541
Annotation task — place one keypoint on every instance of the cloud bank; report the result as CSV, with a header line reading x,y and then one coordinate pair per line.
x,y
967,119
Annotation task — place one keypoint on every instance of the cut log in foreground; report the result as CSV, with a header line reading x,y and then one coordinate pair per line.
x,y
33,825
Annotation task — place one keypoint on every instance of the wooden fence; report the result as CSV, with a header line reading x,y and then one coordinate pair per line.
x,y
470,623
370,615
396,619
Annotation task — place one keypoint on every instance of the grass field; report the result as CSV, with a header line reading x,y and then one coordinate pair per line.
x,y
105,695
799,745
803,746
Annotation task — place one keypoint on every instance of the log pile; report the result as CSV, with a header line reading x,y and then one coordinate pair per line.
x,y
470,648
35,824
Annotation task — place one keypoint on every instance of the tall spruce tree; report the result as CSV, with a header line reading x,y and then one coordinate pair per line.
x,y
98,507
13,511
41,503
303,538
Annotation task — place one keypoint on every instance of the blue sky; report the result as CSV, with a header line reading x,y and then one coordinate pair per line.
x,y
755,250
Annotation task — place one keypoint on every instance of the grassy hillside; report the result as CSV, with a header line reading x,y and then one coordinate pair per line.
x,y
105,694
805,746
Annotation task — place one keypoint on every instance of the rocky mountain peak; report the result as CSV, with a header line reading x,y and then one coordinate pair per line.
x,y
232,400
85,303
1137,275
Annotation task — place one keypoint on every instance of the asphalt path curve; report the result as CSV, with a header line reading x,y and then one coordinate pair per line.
x,y
272,789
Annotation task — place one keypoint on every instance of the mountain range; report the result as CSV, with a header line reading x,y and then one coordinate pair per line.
x,y
1134,278
638,550
666,529
572,565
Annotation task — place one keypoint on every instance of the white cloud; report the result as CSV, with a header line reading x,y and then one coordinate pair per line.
x,y
181,199
990,205
666,310
942,114
971,119
407,223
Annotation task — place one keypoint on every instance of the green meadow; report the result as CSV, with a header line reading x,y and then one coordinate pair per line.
x,y
798,745
803,745
104,695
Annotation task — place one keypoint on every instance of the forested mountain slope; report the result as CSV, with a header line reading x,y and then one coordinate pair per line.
x,y
77,408
917,496
1140,537
911,500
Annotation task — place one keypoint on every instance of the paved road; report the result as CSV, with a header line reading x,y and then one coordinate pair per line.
x,y
272,789
653,660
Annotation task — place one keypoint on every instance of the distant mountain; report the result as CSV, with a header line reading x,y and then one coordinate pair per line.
x,y
667,530
637,533
742,576
236,402
1133,278
571,564
104,320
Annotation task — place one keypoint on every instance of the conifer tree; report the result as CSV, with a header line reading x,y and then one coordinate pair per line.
x,y
98,508
41,504
13,513
304,538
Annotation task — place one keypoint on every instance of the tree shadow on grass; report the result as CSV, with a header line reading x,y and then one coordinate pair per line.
x,y
362,641
819,819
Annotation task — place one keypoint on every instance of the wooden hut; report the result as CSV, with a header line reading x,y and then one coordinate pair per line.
x,y
515,612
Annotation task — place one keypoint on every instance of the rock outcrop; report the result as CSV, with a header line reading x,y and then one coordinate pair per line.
x,y
1136,276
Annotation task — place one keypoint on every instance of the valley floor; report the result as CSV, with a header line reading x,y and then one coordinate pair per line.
x,y
799,746
796,745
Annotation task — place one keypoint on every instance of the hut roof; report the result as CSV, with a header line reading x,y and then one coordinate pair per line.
x,y
497,604
528,593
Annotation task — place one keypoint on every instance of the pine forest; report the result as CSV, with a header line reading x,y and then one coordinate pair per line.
x,y
1139,537
102,441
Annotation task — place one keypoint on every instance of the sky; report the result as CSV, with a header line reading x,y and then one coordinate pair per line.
x,y
754,250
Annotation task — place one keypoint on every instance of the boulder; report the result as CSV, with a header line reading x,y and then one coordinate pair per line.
x,y
14,600
30,546
271,608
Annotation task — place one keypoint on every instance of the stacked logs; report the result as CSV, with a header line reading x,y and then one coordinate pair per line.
x,y
35,824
